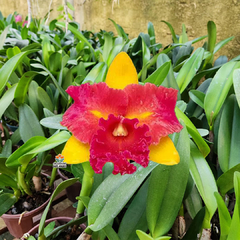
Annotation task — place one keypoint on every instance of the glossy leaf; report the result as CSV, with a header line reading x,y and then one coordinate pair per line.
x,y
164,200
7,99
110,233
189,69
53,122
3,36
111,196
6,150
158,76
228,135
205,182
195,227
212,36
80,36
10,66
120,30
202,145
6,202
197,97
193,202
218,90
233,232
8,181
175,40
225,181
135,216
108,44
45,99
22,87
219,45
29,125
236,84
224,216
60,188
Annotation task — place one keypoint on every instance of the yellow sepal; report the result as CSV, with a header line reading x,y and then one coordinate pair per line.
x,y
164,152
121,72
75,151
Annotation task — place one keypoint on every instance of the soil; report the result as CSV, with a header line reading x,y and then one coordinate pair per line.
x,y
28,203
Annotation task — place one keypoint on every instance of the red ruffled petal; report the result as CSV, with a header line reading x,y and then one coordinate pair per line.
x,y
91,102
105,147
153,106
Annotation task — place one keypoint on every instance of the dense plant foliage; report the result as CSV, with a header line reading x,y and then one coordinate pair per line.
x,y
198,196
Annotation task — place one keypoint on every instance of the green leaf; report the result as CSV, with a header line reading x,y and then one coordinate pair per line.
x,y
120,30
195,227
99,69
49,228
219,45
164,200
22,87
60,188
108,44
110,233
9,67
225,181
143,236
175,40
135,216
151,33
170,80
6,202
112,195
3,36
7,149
189,69
53,122
70,6
80,36
145,58
158,76
202,145
60,89
236,84
55,61
5,169
197,97
193,202
29,125
228,134
233,234
224,216
8,181
205,182
34,146
77,171
60,8
45,99
212,36
218,90
7,99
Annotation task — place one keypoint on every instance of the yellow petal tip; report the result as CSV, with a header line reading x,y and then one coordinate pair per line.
x,y
122,72
164,153
75,151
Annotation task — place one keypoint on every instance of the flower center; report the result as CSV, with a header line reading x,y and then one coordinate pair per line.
x,y
120,131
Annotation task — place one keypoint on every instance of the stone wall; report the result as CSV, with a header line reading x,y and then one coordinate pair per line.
x,y
134,15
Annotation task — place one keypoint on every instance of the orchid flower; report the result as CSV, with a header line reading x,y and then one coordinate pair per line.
x,y
121,121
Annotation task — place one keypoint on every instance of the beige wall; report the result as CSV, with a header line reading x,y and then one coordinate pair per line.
x,y
133,16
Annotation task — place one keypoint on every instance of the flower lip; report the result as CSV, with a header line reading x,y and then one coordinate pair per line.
x,y
120,131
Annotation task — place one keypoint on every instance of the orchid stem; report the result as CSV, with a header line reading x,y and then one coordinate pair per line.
x,y
87,183
22,182
53,176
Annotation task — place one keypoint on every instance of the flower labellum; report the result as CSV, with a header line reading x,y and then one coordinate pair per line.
x,y
120,121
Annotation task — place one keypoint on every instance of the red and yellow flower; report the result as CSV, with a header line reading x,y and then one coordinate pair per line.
x,y
121,120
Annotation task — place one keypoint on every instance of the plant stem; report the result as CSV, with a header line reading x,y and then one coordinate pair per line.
x,y
22,183
53,176
87,183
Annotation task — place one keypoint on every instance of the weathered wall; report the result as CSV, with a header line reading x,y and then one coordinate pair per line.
x,y
133,16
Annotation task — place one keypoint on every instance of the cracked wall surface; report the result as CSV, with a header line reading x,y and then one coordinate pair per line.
x,y
134,15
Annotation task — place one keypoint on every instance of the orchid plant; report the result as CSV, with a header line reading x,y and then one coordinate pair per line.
x,y
120,121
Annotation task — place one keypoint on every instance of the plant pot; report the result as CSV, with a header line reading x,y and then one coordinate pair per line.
x,y
74,190
34,230
18,224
